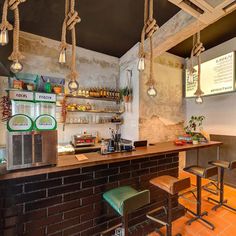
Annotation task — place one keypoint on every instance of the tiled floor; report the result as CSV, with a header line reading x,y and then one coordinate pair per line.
x,y
223,219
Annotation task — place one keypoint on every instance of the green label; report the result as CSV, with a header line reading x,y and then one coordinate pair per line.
x,y
20,123
45,122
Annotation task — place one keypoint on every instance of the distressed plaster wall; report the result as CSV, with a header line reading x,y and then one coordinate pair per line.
x,y
162,117
95,70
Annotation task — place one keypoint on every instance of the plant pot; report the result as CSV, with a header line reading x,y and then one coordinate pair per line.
x,y
195,142
57,90
127,99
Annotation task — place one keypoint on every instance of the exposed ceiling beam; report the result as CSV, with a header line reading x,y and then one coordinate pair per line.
x,y
187,22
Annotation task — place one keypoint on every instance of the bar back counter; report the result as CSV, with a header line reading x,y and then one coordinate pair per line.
x,y
67,199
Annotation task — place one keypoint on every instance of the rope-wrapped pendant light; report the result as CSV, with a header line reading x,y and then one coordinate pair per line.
x,y
149,28
196,52
5,26
69,23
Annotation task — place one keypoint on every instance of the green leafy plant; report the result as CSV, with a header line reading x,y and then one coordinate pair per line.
x,y
126,91
126,94
194,123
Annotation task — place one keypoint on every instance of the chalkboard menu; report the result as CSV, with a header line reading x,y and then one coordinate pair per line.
x,y
217,76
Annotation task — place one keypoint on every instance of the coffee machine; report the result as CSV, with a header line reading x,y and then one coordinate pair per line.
x,y
32,134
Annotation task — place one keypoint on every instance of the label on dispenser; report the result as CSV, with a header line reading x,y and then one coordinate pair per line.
x,y
21,95
20,123
45,97
45,122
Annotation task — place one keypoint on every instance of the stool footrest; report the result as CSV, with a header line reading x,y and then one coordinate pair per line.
x,y
213,191
105,232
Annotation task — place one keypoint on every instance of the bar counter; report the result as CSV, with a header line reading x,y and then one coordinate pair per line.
x,y
67,199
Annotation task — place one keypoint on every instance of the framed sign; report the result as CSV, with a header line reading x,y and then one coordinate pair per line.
x,y
217,76
45,122
20,123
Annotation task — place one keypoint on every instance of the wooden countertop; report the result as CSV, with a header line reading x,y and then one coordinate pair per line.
x,y
70,161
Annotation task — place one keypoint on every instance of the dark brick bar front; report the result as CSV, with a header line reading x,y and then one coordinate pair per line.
x,y
70,202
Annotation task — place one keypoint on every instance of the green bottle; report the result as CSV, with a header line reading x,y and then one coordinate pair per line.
x,y
48,87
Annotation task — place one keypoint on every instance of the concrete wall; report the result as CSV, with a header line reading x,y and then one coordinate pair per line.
x,y
155,119
219,110
95,70
162,117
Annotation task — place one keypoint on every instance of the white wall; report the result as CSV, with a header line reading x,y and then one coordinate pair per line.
x,y
130,128
219,110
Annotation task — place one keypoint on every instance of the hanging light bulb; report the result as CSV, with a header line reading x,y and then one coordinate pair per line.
x,y
73,86
4,37
16,67
62,56
199,99
152,92
141,64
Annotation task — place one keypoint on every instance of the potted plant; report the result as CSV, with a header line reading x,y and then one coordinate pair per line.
x,y
126,94
57,88
194,124
195,139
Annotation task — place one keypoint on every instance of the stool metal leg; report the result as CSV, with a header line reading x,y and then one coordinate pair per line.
x,y
199,215
169,217
125,225
222,201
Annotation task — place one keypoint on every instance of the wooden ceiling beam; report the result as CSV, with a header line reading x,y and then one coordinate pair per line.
x,y
186,23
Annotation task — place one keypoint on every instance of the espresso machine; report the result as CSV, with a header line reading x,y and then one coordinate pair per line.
x,y
32,130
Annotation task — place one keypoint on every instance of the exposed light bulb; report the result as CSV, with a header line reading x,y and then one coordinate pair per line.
x,y
16,67
62,57
152,92
141,64
73,86
4,37
199,100
190,78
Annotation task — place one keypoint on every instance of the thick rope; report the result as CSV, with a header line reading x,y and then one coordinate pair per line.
x,y
149,28
5,25
196,52
150,25
14,6
71,20
63,45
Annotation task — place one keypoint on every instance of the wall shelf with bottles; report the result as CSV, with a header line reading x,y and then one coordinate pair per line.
x,y
93,98
114,123
97,111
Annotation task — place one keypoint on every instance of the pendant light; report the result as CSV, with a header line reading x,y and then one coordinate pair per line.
x,y
4,39
5,26
148,30
69,23
196,52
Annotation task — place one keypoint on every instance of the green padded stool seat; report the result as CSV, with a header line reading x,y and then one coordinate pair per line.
x,y
125,200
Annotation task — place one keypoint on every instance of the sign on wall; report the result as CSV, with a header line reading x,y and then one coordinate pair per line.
x,y
20,123
217,76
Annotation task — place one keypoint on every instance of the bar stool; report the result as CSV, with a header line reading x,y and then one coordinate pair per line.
x,y
171,186
222,165
200,172
125,200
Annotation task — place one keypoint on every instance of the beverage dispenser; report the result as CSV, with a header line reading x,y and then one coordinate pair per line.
x,y
32,134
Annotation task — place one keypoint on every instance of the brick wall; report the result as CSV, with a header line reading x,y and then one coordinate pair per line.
x,y
70,202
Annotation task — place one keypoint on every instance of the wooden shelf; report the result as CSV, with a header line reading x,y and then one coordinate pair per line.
x,y
92,98
115,123
94,111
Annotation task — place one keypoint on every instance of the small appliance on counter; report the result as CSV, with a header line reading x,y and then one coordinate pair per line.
x,y
83,140
116,144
